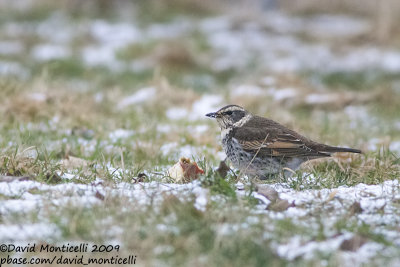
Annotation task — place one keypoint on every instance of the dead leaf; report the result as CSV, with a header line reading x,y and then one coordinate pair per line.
x,y
268,192
354,243
99,195
279,205
331,195
185,171
71,162
355,208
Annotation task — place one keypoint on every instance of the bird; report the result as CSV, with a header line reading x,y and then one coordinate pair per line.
x,y
260,147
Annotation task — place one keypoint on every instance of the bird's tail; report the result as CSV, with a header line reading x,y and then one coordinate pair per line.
x,y
333,149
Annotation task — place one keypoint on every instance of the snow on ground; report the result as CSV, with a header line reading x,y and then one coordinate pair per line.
x,y
248,90
144,94
48,52
378,204
120,134
11,48
176,113
116,34
206,104
27,232
326,26
14,69
286,51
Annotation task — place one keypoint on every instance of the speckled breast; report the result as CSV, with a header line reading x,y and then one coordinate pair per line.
x,y
239,158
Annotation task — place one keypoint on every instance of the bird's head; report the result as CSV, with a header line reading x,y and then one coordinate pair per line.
x,y
230,116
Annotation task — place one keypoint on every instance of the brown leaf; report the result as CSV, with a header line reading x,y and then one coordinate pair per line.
x,y
99,195
71,162
185,170
332,195
279,205
268,192
355,208
353,244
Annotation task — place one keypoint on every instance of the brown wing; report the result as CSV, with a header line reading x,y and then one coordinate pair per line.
x,y
274,142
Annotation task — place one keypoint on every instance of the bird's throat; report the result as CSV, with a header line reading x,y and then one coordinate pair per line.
x,y
225,132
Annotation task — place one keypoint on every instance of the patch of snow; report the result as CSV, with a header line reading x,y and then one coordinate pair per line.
x,y
22,5
201,198
206,104
101,55
332,26
362,256
141,64
13,68
37,231
188,151
18,206
282,94
261,198
395,147
391,61
336,26
320,99
163,249
37,96
282,23
120,134
215,24
115,35
143,95
248,90
98,97
164,128
65,32
397,125
221,155
199,129
268,81
372,198
11,48
375,144
168,148
68,176
176,28
46,52
297,247
174,149
360,116
177,113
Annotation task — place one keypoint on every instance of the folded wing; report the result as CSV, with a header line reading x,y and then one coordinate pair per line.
x,y
274,143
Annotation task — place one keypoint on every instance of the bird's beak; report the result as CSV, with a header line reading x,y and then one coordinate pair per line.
x,y
212,115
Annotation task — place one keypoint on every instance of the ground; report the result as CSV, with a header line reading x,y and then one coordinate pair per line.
x,y
99,99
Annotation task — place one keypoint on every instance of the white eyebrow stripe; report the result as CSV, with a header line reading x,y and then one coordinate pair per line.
x,y
242,121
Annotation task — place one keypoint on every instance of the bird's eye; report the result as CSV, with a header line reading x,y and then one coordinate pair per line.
x,y
228,113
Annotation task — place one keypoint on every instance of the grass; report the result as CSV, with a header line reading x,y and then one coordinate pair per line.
x,y
65,120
